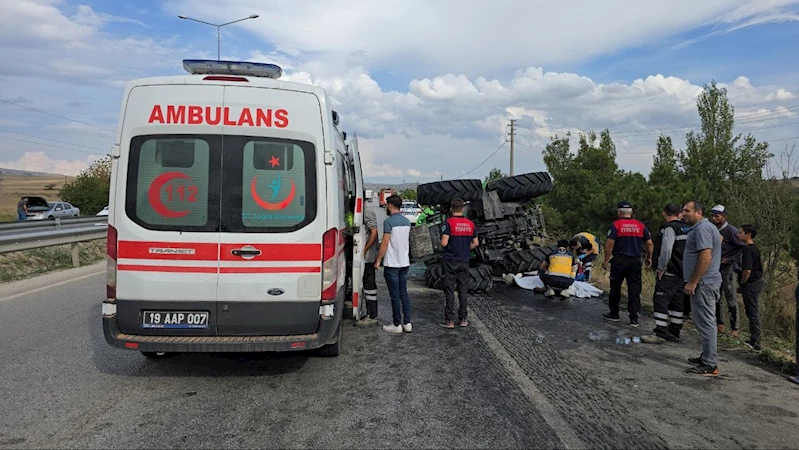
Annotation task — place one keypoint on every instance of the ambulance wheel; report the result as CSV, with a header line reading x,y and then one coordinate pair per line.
x,y
521,187
527,260
332,350
480,278
443,192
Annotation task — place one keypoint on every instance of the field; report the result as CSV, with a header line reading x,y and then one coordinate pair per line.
x,y
13,187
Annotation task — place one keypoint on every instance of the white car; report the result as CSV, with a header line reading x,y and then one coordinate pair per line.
x,y
53,210
103,212
411,210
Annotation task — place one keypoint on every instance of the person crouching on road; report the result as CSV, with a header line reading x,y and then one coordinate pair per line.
x,y
557,272
586,247
752,282
458,239
624,245
395,249
667,261
702,276
369,279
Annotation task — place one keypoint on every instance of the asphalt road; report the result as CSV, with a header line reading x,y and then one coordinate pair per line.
x,y
524,374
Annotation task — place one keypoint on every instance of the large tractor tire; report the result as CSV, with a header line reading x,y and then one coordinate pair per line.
x,y
443,192
521,187
480,278
528,260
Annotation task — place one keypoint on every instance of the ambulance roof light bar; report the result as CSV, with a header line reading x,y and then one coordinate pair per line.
x,y
243,68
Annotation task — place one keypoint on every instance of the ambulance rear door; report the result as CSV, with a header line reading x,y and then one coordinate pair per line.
x,y
359,238
166,210
273,213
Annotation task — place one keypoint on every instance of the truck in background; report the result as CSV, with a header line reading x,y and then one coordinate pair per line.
x,y
370,195
384,194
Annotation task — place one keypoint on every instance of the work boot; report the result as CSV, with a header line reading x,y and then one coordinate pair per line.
x,y
661,332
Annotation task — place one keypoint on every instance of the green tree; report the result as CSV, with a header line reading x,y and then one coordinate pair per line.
x,y
89,190
408,194
714,158
493,175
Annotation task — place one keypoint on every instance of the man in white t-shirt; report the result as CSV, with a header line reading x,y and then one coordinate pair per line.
x,y
394,253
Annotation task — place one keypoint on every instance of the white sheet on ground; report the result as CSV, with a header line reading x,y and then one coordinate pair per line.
x,y
580,289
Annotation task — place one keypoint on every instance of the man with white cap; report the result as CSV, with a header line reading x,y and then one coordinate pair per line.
x,y
731,248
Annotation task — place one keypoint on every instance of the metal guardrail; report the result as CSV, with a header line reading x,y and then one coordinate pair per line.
x,y
39,238
28,224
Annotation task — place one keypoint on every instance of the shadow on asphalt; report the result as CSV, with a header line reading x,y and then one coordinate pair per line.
x,y
113,361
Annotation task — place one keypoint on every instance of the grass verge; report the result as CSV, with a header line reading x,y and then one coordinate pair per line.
x,y
777,351
24,264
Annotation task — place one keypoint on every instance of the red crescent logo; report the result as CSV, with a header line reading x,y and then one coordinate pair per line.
x,y
272,206
154,194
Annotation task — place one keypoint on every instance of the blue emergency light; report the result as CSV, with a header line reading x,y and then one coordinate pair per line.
x,y
241,68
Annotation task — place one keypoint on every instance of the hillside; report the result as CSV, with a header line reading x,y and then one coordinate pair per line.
x,y
26,173
14,186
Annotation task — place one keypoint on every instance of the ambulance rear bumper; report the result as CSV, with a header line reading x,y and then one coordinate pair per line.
x,y
327,333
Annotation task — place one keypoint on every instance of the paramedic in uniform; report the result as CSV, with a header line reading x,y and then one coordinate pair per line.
x,y
586,249
558,271
370,255
669,295
624,245
458,239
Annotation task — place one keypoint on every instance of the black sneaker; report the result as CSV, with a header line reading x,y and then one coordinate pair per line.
x,y
611,317
634,323
755,347
704,370
696,361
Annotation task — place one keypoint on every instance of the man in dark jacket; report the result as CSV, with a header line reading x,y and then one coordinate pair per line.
x,y
731,248
667,263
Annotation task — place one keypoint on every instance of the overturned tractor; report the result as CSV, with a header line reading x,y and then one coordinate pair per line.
x,y
509,225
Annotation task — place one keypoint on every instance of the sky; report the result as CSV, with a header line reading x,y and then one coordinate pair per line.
x,y
428,87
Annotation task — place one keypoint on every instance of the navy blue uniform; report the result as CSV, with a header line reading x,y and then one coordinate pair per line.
x,y
461,232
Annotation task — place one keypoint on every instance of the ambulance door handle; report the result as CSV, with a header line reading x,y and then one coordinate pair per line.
x,y
246,252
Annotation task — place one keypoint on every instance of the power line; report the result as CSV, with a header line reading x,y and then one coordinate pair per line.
x,y
50,145
56,115
51,140
485,160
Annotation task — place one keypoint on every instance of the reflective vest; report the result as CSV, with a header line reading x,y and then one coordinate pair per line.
x,y
681,229
561,263
590,238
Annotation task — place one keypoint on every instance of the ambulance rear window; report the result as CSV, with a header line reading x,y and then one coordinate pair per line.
x,y
277,184
172,181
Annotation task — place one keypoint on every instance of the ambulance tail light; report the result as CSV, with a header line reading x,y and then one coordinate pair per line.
x,y
329,265
111,264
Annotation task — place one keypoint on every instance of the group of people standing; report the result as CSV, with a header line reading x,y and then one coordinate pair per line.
x,y
695,259
458,239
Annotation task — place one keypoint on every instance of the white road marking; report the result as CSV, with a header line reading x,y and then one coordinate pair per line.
x,y
548,412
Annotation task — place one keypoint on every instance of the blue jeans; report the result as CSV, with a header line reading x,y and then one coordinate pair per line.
x,y
21,217
397,281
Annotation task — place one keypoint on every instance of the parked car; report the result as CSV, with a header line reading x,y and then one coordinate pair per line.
x,y
103,212
411,210
40,209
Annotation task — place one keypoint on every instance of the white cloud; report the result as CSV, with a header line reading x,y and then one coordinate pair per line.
x,y
39,162
471,37
471,71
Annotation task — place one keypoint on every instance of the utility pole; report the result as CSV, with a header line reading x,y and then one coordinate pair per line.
x,y
512,133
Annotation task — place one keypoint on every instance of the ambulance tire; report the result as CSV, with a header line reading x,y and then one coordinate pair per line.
x,y
521,187
528,260
443,192
480,278
334,349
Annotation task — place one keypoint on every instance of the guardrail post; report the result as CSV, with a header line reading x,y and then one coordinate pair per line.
x,y
57,223
75,255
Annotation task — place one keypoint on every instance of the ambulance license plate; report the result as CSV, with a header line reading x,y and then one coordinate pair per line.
x,y
175,319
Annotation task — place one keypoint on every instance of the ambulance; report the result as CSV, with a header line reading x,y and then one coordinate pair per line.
x,y
236,212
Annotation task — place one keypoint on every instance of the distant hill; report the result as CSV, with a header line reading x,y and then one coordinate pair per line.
x,y
26,173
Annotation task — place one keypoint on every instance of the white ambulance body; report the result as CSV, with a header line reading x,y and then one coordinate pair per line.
x,y
228,229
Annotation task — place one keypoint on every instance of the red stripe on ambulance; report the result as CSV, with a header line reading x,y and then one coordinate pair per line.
x,y
216,115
